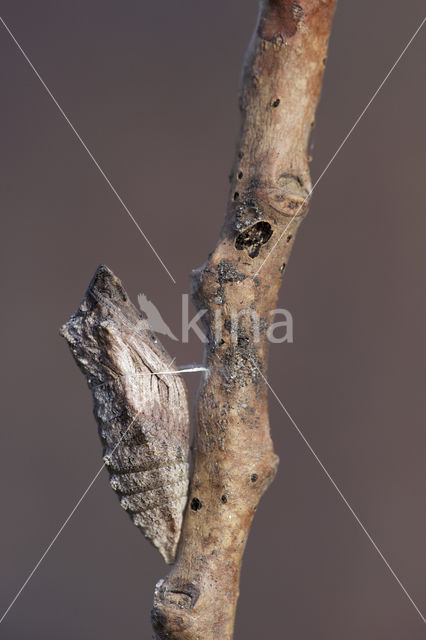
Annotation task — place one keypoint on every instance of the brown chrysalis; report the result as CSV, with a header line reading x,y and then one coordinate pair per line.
x,y
140,406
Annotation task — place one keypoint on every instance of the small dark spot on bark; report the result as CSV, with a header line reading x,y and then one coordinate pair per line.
x,y
282,267
254,237
224,499
253,477
236,195
276,102
240,154
196,504
240,175
289,238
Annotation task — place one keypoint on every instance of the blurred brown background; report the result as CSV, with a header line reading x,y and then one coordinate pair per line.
x,y
152,89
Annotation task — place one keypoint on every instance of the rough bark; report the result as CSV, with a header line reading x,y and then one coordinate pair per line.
x,y
234,461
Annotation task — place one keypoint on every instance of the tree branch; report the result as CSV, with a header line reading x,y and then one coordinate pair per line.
x,y
234,460
140,401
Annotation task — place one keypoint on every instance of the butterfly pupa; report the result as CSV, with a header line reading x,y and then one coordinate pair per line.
x,y
140,405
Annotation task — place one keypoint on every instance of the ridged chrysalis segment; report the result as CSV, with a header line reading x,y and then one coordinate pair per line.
x,y
140,406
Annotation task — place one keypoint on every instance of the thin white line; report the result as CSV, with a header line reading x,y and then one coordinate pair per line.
x,y
64,525
69,517
84,145
188,368
343,498
176,372
345,138
50,545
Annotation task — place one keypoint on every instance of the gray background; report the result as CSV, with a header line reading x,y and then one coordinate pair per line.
x,y
151,87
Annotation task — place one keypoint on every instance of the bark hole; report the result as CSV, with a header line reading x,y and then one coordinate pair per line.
x,y
253,238
196,504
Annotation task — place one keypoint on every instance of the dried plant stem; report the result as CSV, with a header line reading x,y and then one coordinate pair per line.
x,y
234,459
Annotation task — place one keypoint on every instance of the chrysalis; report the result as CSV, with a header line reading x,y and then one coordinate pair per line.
x,y
140,406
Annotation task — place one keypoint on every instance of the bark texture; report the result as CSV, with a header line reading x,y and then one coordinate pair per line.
x,y
234,461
